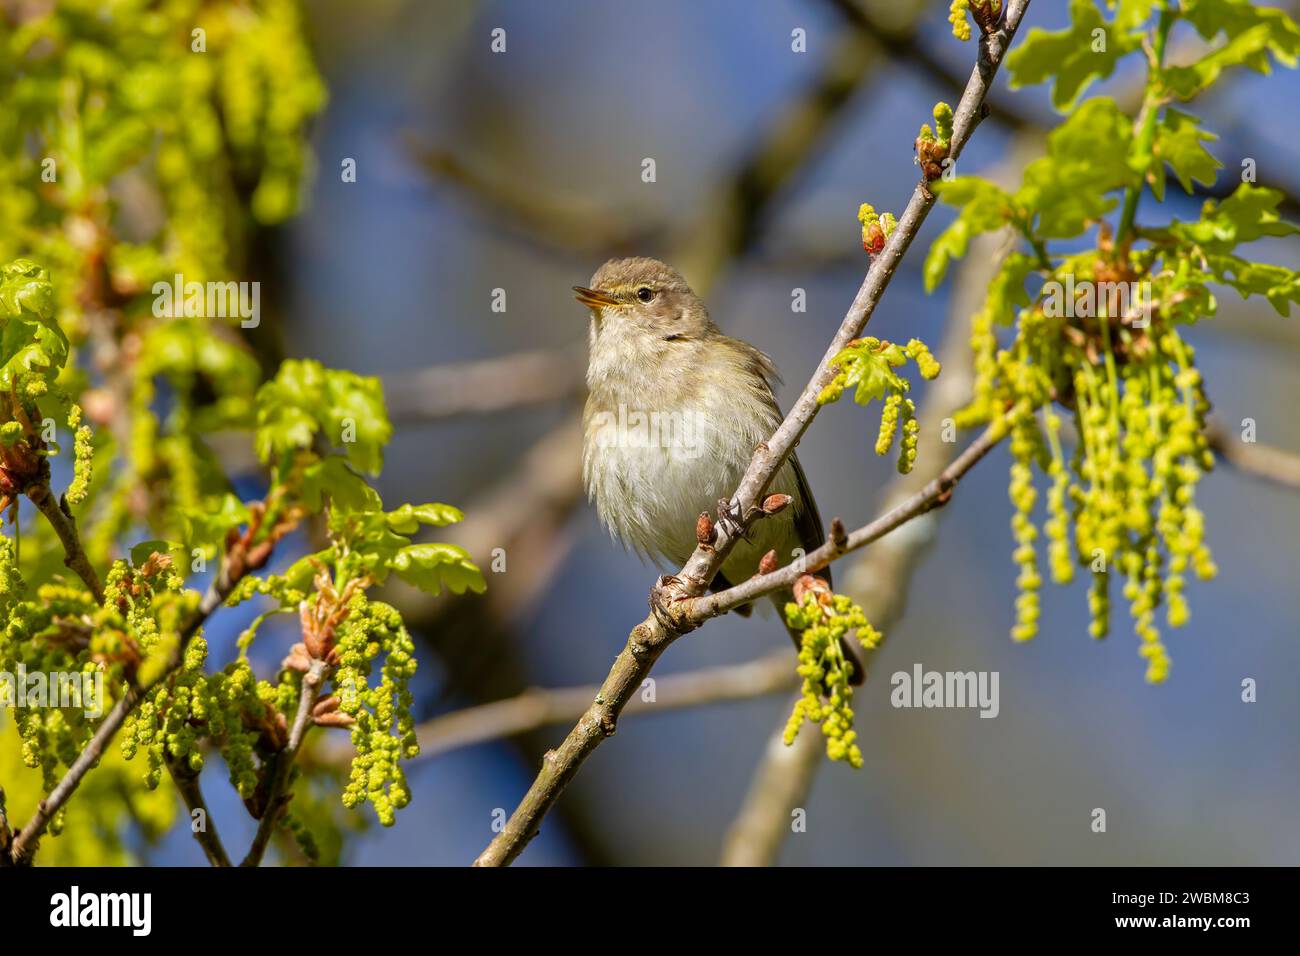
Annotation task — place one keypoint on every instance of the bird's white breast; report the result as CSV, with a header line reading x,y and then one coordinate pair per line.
x,y
652,467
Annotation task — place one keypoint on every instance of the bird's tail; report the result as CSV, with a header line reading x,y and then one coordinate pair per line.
x,y
858,673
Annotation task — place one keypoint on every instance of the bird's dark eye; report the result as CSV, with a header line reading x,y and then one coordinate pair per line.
x,y
645,293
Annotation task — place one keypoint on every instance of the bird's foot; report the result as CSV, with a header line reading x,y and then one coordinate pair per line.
x,y
731,520
670,590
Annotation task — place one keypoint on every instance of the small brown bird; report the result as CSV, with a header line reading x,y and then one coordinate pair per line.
x,y
674,412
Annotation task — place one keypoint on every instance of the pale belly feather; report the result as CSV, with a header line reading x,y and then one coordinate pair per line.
x,y
673,479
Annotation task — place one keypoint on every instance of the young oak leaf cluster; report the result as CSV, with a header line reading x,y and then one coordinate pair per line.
x,y
301,414
370,654
1240,33
202,109
1099,342
867,366
33,355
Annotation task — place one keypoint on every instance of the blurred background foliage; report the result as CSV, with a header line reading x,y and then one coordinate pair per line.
x,y
521,171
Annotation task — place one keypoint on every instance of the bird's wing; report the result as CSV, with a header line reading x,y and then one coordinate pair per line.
x,y
807,522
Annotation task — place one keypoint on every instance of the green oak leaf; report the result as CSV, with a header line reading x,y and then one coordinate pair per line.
x,y
1131,13
870,370
431,567
31,342
1087,49
305,400
1250,213
1253,32
207,528
1007,290
408,518
1278,284
1087,158
1178,143
985,207
332,479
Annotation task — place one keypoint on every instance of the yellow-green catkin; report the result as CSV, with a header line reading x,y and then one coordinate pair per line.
x,y
827,695
957,17
833,389
926,363
1026,443
889,416
1057,527
911,436
82,455
943,124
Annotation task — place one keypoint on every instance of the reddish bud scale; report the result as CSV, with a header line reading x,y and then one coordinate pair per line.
x,y
775,504
873,239
811,584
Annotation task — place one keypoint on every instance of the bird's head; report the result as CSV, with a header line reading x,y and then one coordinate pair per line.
x,y
643,298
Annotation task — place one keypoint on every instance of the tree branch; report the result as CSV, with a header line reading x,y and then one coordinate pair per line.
x,y
279,795
485,386
935,494
541,707
25,842
1259,461
557,225
781,785
65,526
187,785
651,637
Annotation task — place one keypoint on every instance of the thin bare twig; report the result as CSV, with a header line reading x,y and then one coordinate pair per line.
x,y
666,623
936,493
187,785
279,794
780,786
541,707
65,526
565,226
484,387
1259,461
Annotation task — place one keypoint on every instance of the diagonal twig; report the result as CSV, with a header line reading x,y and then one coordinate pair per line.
x,y
651,637
278,799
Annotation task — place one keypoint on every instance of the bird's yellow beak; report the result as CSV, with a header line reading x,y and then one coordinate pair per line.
x,y
594,298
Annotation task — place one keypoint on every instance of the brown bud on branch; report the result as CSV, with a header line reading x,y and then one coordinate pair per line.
x,y
775,504
811,584
704,533
335,719
986,14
